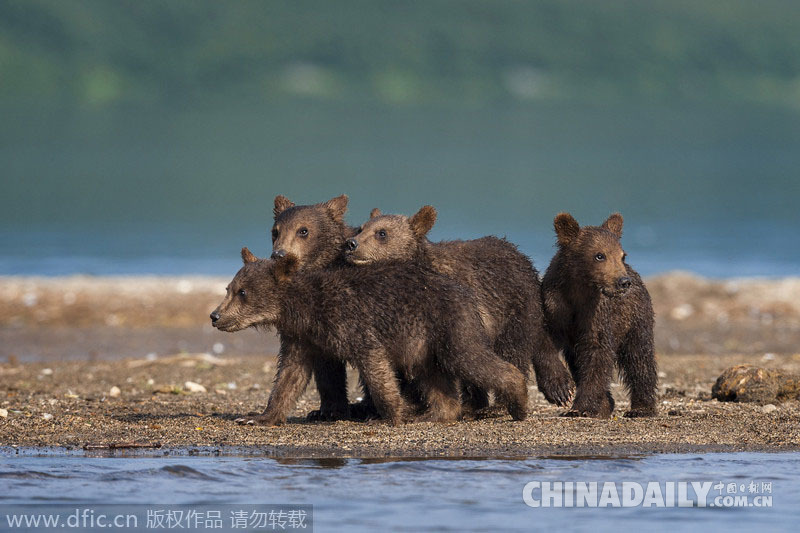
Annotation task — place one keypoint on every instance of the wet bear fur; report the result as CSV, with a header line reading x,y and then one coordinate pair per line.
x,y
599,314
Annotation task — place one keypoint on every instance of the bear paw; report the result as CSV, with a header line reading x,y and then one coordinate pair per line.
x,y
559,394
328,415
641,412
363,411
556,385
587,413
260,420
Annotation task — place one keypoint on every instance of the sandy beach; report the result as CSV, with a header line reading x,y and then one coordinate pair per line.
x,y
92,363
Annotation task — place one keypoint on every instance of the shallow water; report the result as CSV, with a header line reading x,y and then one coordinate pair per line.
x,y
412,494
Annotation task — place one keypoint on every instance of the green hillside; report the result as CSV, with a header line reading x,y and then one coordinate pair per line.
x,y
102,51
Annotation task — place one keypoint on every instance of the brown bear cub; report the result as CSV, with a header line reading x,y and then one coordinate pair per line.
x,y
396,318
314,234
505,285
599,313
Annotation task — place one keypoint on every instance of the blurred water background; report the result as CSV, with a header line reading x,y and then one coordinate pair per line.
x,y
151,137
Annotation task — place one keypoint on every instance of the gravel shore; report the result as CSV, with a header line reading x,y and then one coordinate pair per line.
x,y
105,364
149,402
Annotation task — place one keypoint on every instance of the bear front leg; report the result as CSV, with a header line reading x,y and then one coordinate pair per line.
x,y
381,380
592,364
552,377
640,372
294,373
330,375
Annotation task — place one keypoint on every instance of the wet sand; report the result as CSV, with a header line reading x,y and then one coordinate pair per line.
x,y
102,362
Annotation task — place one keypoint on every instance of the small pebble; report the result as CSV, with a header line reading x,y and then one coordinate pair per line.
x,y
768,408
218,348
114,392
191,386
3,413
47,416
47,371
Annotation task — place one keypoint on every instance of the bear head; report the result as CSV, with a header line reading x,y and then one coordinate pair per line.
x,y
389,237
254,296
312,233
593,254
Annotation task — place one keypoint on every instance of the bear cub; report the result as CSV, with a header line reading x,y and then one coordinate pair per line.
x,y
599,313
505,285
394,319
315,235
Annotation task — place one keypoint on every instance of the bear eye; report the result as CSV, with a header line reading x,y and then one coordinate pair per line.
x,y
381,233
303,232
600,257
274,234
242,293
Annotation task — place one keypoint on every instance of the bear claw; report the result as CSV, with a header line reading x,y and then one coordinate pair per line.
x,y
328,415
256,421
640,413
585,413
560,397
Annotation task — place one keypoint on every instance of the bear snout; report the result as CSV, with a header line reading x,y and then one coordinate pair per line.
x,y
214,317
624,283
351,244
277,254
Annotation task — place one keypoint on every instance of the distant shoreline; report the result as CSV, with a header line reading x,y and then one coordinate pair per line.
x,y
693,314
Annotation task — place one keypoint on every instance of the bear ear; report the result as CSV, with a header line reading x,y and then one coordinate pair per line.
x,y
247,256
375,213
422,221
337,206
281,204
614,224
567,228
285,267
